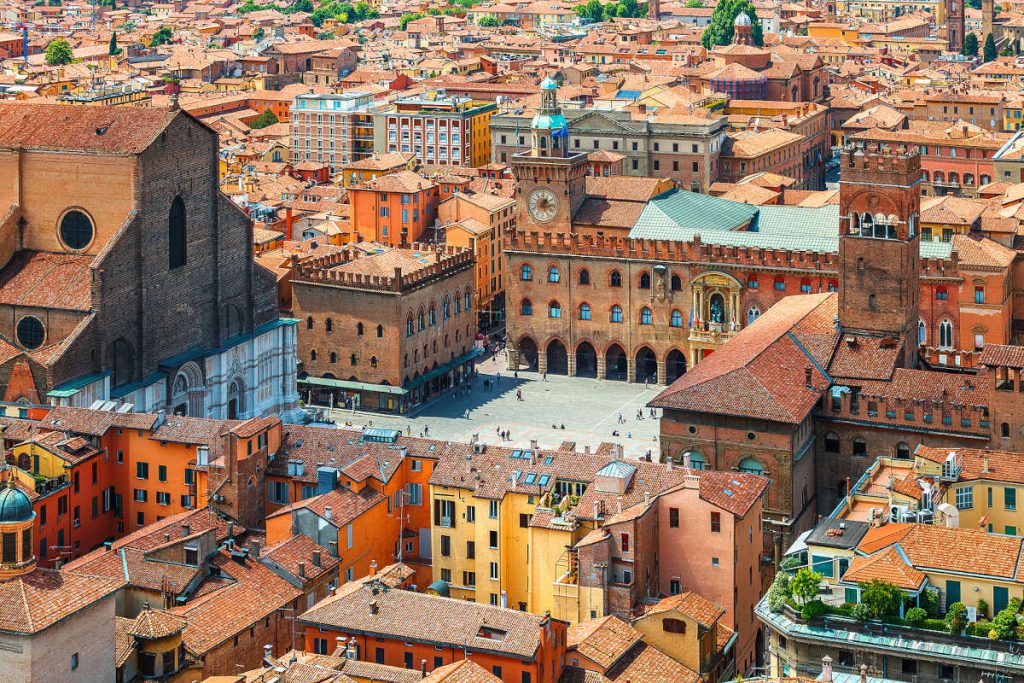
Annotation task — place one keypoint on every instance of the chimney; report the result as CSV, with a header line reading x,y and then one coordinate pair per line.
x,y
373,567
254,549
618,504
597,509
669,465
327,512
826,669
186,530
687,460
533,444
647,498
373,607
423,668
302,570
316,558
268,651
231,530
984,465
167,537
808,376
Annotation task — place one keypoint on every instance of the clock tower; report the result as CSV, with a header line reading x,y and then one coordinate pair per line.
x,y
551,180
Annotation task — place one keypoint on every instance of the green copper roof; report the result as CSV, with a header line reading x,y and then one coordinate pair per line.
x,y
552,122
679,215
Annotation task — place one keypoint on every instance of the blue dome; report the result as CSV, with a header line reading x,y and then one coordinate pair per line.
x,y
15,506
548,84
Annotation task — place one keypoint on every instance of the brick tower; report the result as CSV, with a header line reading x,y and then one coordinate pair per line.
x,y
551,179
955,25
879,245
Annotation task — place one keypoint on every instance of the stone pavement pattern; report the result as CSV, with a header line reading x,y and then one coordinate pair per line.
x,y
588,408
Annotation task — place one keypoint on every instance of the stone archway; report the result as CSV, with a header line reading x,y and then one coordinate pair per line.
x,y
646,365
616,364
557,358
188,392
586,360
675,365
526,353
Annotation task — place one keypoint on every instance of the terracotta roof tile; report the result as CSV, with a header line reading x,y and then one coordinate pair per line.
x,y
603,641
35,601
99,130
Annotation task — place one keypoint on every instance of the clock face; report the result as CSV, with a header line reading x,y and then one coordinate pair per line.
x,y
543,205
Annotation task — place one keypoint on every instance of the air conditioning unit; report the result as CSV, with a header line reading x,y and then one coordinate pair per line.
x,y
897,512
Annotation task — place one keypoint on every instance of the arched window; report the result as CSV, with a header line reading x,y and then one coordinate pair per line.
x,y
447,310
312,355
432,315
968,179
553,274
941,293
353,359
616,314
860,448
645,280
467,299
584,311
867,225
176,237
752,281
526,272
938,177
408,326
922,333
615,279
833,285
584,277
421,321
554,310
780,283
380,331
359,328
753,313
333,357
646,318
945,335
985,179
458,302
750,466
1004,430
373,361
677,283
309,323
526,307
697,460
805,285
903,450
832,443
677,319
954,178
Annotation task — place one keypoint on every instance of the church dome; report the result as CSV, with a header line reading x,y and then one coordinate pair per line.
x,y
15,506
548,84
742,20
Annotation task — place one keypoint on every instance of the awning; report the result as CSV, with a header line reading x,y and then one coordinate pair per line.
x,y
353,386
441,369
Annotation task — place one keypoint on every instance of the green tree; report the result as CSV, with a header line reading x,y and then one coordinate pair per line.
x,y
162,36
265,119
260,32
915,616
488,22
956,617
989,51
1008,51
805,585
882,597
970,45
404,20
59,52
720,30
113,49
301,6
591,10
694,4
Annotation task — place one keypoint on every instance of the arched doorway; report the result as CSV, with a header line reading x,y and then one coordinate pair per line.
x,y
716,308
236,399
188,392
527,350
558,358
586,360
615,365
646,365
675,365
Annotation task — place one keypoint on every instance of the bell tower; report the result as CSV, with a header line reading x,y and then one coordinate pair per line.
x,y
879,245
955,24
551,180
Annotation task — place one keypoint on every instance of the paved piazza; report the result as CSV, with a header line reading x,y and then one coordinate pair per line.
x,y
588,408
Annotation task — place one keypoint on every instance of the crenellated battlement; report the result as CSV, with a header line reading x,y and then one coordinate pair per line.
x,y
325,269
874,162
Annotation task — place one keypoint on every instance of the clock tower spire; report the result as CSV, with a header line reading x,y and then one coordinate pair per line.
x,y
551,180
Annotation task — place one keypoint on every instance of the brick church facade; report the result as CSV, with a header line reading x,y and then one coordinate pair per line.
x,y
890,342
125,275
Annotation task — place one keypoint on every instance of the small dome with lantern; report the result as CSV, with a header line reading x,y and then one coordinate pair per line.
x,y
742,19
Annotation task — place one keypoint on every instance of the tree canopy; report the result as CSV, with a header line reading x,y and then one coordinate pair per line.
x,y
720,30
989,51
404,20
594,11
59,52
970,48
112,48
490,22
162,36
267,118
